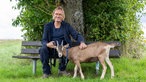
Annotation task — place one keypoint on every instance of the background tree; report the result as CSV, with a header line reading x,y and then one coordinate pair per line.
x,y
34,14
111,20
105,20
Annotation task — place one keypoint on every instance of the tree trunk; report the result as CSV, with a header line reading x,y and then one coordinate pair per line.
x,y
74,14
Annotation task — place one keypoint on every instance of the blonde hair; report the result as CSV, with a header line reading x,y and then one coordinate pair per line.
x,y
59,8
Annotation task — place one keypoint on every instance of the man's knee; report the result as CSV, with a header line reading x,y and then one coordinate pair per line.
x,y
44,53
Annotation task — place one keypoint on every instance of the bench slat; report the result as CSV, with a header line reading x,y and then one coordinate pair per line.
x,y
29,51
31,43
26,57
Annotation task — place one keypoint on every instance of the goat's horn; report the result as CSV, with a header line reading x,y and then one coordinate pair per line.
x,y
57,43
62,43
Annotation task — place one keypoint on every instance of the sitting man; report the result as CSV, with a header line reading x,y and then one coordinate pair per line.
x,y
57,30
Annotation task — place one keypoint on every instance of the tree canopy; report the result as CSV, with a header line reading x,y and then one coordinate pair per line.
x,y
34,14
104,20
111,20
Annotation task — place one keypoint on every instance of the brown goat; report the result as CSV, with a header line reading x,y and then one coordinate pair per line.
x,y
97,50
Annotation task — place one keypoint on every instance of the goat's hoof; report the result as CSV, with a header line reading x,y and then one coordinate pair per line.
x,y
82,78
112,77
101,78
73,77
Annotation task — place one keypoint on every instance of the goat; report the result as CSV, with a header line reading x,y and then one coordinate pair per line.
x,y
97,51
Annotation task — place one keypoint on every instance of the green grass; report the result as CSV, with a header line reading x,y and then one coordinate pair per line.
x,y
20,70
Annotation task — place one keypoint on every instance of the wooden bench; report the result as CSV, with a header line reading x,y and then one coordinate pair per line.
x,y
33,52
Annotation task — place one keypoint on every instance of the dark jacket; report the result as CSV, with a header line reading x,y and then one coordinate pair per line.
x,y
68,31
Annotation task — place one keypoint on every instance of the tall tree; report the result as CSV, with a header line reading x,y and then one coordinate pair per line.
x,y
74,14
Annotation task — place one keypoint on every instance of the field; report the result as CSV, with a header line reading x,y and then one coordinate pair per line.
x,y
20,70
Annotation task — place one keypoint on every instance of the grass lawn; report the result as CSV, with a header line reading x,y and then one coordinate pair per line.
x,y
20,70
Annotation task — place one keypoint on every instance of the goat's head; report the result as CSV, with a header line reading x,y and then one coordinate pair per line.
x,y
61,48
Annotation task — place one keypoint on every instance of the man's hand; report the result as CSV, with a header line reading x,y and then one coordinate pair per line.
x,y
82,45
51,44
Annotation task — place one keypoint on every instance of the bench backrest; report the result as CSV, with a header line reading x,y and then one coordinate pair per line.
x,y
36,44
34,47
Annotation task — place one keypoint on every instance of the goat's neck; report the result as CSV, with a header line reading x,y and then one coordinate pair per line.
x,y
64,52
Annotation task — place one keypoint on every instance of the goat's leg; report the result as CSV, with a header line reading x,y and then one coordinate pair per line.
x,y
80,69
75,71
81,73
102,61
111,66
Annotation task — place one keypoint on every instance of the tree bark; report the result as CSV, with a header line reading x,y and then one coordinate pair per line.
x,y
74,14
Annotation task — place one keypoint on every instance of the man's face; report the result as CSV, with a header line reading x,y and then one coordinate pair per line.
x,y
58,16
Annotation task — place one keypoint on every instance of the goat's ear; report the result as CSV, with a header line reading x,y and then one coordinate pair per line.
x,y
67,45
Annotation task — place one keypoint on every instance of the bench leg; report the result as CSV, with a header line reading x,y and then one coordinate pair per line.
x,y
34,61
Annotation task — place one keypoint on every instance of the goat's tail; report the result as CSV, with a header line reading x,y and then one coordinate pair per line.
x,y
114,44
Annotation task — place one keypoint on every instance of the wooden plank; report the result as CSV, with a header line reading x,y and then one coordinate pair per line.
x,y
31,43
29,51
26,57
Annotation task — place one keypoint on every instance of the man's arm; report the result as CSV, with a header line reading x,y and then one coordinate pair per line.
x,y
45,36
78,37
45,39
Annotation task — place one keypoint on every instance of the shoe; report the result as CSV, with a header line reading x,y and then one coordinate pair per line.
x,y
45,76
64,73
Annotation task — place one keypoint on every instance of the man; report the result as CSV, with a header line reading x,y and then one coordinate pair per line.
x,y
57,30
